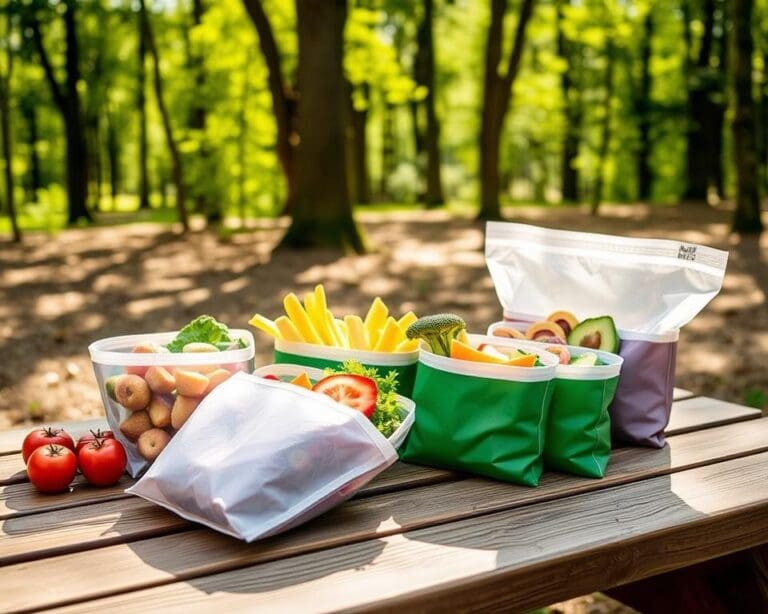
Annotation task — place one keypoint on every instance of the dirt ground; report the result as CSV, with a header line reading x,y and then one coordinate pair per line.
x,y
60,293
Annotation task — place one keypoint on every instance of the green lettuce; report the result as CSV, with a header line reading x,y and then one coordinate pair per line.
x,y
205,329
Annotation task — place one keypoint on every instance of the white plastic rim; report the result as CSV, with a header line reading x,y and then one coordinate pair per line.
x,y
116,351
610,369
313,350
520,322
491,370
407,406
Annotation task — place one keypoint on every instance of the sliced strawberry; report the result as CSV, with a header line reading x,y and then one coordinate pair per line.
x,y
355,391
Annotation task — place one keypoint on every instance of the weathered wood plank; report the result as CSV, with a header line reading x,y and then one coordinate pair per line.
x,y
199,552
702,412
511,560
11,440
12,469
21,499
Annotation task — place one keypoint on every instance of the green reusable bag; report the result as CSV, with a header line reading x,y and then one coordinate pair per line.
x,y
481,418
579,428
578,438
322,356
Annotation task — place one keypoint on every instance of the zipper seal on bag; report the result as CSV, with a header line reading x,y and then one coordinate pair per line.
x,y
313,350
681,254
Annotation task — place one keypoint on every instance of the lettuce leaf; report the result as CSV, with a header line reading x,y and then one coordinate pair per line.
x,y
205,329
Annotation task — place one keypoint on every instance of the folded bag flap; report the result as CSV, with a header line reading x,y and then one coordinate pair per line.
x,y
407,406
611,366
647,285
258,455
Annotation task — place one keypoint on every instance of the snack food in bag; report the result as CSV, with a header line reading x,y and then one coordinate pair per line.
x,y
650,287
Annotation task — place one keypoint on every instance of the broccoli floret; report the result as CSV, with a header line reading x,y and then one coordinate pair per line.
x,y
437,330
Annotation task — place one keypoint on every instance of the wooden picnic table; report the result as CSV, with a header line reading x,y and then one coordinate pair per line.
x,y
415,538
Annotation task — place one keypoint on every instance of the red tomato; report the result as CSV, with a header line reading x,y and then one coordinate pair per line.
x,y
355,391
90,436
102,461
272,377
44,436
51,468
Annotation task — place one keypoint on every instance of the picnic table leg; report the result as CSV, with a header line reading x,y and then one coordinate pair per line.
x,y
733,583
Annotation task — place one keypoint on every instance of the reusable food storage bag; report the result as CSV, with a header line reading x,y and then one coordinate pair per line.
x,y
113,356
321,357
651,288
578,435
263,456
481,418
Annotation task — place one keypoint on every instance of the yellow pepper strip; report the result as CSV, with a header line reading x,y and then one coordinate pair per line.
x,y
287,329
356,333
408,319
321,304
266,325
409,345
390,336
300,319
317,318
341,331
463,337
375,320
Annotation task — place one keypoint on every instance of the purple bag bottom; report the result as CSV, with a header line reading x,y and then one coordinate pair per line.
x,y
643,402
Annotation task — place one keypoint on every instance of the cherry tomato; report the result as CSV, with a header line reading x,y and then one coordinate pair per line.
x,y
90,436
51,468
44,436
102,461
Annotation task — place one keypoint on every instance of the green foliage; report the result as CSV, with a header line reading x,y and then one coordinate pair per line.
x,y
216,67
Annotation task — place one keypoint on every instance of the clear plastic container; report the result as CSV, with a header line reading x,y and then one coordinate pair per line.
x,y
146,388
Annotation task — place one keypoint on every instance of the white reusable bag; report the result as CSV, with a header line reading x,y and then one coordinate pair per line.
x,y
261,456
651,288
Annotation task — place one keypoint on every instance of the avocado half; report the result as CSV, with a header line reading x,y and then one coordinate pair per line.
x,y
596,333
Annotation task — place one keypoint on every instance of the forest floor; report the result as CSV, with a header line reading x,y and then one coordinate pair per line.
x,y
63,291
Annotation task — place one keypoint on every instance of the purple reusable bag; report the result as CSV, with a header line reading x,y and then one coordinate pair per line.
x,y
647,380
651,288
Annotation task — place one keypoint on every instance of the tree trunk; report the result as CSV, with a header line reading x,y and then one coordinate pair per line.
x,y
424,72
113,159
704,86
5,129
746,218
569,173
283,99
322,213
387,150
34,180
358,119
497,94
605,130
141,103
68,103
177,170
643,112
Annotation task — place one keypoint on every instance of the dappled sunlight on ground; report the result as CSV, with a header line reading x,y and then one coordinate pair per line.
x,y
62,292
